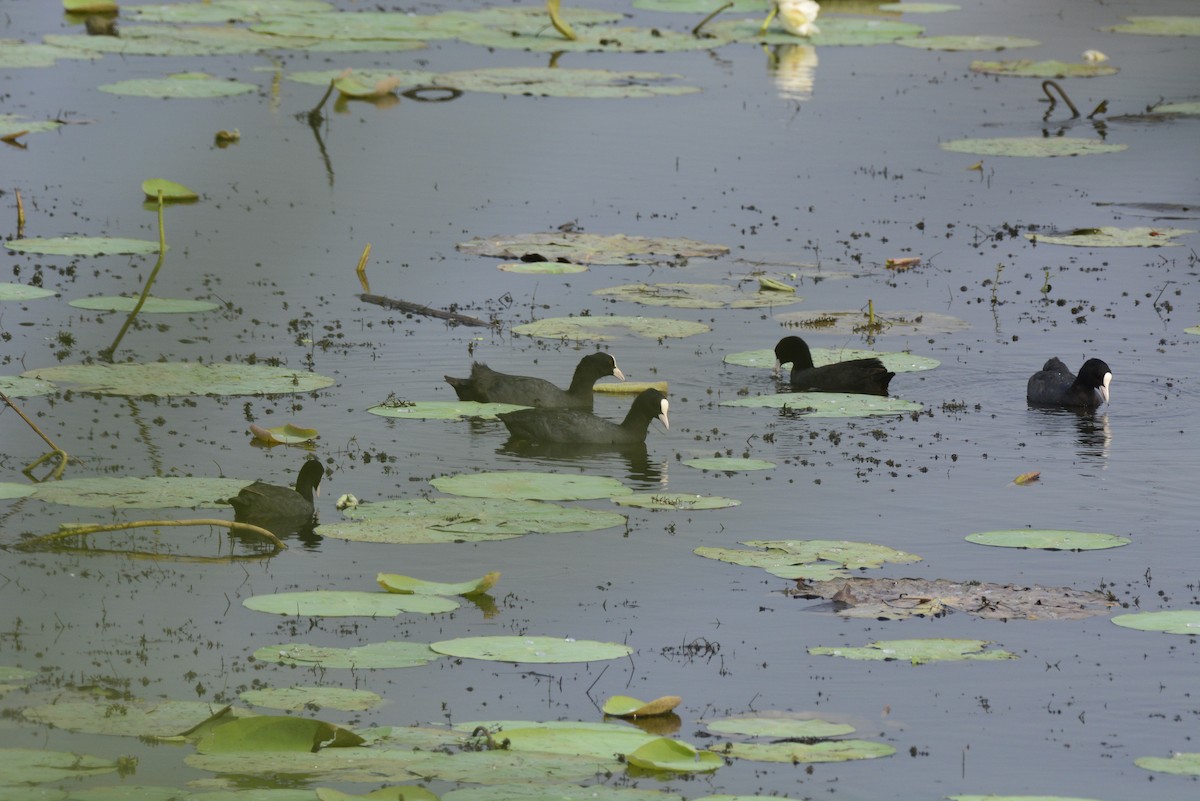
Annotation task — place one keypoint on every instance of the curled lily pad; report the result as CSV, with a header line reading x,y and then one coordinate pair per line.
x,y
1048,539
83,246
286,434
602,329
583,248
151,306
663,753
324,77
1031,146
778,725
394,582
164,379
299,699
795,753
10,291
524,485
1108,236
1025,68
442,410
376,655
964,42
697,296
1179,764
185,85
600,742
1159,26
828,404
561,82
276,733
330,603
170,190
629,387
546,650
623,706
919,651
729,464
1183,621
859,322
676,500
896,362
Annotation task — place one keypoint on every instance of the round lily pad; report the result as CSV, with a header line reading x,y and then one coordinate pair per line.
x,y
858,322
331,603
302,699
151,306
920,8
795,753
25,766
10,489
522,485
699,6
625,39
221,11
16,55
1178,764
919,651
369,76
779,726
394,582
1176,108
828,404
186,85
562,82
1025,68
83,246
1182,621
10,291
1048,539
1159,26
593,741
544,650
697,296
729,464
606,328
17,387
541,268
442,410
676,500
896,362
1193,330
583,248
1108,236
129,492
964,42
129,718
376,655
1031,146
163,379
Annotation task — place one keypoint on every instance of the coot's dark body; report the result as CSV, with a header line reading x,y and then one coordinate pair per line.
x,y
571,426
1056,385
280,508
861,376
488,386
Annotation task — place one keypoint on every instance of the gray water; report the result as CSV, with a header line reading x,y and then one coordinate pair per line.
x,y
846,179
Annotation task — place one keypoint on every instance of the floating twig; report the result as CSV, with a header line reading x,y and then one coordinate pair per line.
x,y
1046,88
20,215
705,21
137,307
428,311
69,531
63,458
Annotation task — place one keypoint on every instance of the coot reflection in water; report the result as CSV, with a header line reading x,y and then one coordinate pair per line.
x,y
633,459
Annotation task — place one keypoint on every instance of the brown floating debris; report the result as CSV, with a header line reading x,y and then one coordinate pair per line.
x,y
428,311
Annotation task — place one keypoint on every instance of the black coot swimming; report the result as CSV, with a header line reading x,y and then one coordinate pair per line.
x,y
282,505
862,376
487,386
1056,385
583,428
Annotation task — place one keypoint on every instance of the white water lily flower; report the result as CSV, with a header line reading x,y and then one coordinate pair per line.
x,y
799,16
1094,56
347,501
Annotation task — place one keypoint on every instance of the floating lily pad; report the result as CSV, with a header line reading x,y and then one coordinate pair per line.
x,y
165,379
541,268
1193,330
522,485
896,362
624,706
393,792
629,387
561,82
602,329
220,11
126,718
502,767
26,766
465,520
599,742
582,248
17,387
542,650
1159,26
828,404
919,651
835,31
1048,539
394,582
83,246
779,725
170,190
1178,764
286,434
965,42
15,675
796,753
676,500
1183,621
703,7
9,489
324,77
541,791
920,8
15,55
1176,108
1108,236
663,753
183,85
696,296
541,38
130,492
22,292
331,603
151,306
1031,146
443,410
729,464
377,655
276,733
162,40
300,699
898,323
809,559
1025,68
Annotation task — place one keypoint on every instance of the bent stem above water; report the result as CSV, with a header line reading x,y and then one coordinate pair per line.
x,y
108,353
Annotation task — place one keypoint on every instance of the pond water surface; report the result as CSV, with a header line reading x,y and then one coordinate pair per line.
x,y
827,187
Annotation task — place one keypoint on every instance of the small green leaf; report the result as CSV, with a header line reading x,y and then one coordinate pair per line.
x,y
663,753
1178,764
23,292
169,189
1181,621
623,706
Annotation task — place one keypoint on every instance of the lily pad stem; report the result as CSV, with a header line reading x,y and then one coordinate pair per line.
x,y
314,115
1046,88
69,531
558,22
63,458
767,22
703,22
137,307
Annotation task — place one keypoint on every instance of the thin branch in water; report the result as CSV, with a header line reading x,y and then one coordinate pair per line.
x,y
428,311
705,21
69,531
1046,88
111,351
63,458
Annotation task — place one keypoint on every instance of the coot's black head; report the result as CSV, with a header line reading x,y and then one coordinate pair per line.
x,y
1096,376
794,351
602,364
651,405
308,482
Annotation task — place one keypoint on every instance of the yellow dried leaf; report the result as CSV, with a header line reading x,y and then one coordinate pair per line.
x,y
1027,478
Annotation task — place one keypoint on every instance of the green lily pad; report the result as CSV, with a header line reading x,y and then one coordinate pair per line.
x,y
898,362
835,31
300,699
17,387
332,603
16,55
702,7
1025,68
1112,237
442,410
393,792
170,190
90,6
184,85
165,379
22,292
918,652
1193,330
221,11
603,329
582,248
180,41
729,464
542,650
541,268
394,582
10,489
151,306
676,500
1176,108
523,485
583,741
377,655
796,753
1048,539
828,404
965,42
624,706
663,753
696,296
12,675
324,77
276,733
1182,621
503,767
83,246
1031,146
855,321
25,766
126,718
1159,26
560,82
286,434
779,725
130,492
465,520
1178,764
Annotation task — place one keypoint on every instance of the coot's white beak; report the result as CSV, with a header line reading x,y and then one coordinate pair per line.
x,y
617,372
663,415
1102,390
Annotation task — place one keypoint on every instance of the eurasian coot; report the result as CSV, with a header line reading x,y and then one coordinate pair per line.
x,y
862,376
1056,385
584,428
262,501
487,386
